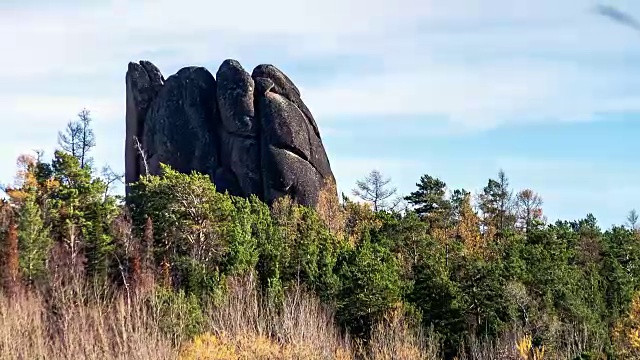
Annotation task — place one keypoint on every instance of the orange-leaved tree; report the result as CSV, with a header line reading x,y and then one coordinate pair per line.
x,y
469,227
529,209
626,331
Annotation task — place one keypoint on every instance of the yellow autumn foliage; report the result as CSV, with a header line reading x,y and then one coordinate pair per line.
x,y
626,332
330,210
469,227
358,219
527,351
211,347
25,182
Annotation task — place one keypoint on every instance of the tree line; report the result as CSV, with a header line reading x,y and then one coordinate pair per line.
x,y
465,268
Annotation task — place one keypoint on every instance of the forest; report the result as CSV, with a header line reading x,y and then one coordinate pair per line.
x,y
185,272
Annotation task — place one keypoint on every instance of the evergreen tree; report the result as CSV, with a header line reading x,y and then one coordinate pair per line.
x,y
80,214
621,268
458,199
430,201
33,241
439,297
370,285
270,248
243,248
496,204
98,242
408,235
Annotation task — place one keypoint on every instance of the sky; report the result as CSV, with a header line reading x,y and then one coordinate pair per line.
x,y
547,90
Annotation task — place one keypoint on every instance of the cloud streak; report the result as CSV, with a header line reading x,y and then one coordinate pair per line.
x,y
618,16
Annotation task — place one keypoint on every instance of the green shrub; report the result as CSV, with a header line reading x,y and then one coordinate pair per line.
x,y
180,315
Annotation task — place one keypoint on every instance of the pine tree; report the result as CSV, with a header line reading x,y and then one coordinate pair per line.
x,y
97,216
31,191
430,201
99,248
80,214
496,204
458,199
370,285
286,219
33,240
193,225
269,246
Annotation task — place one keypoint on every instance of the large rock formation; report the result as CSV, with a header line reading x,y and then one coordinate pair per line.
x,y
252,134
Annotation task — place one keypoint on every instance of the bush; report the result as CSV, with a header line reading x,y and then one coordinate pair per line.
x,y
180,315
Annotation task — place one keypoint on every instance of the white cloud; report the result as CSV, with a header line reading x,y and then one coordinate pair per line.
x,y
471,95
85,37
467,60
482,96
479,64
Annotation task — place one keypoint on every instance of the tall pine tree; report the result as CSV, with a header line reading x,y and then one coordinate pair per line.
x,y
496,204
34,242
430,201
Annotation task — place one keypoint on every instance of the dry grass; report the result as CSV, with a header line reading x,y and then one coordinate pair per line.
x,y
395,338
58,326
83,322
212,347
76,321
303,328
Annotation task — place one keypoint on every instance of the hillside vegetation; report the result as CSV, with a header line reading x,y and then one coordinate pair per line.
x,y
187,272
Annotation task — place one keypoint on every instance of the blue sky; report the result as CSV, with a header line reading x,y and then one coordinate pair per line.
x,y
547,90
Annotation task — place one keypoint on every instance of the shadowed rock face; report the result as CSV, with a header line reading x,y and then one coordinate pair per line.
x,y
143,81
252,134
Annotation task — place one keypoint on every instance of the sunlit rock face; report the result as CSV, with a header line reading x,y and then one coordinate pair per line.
x,y
251,133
